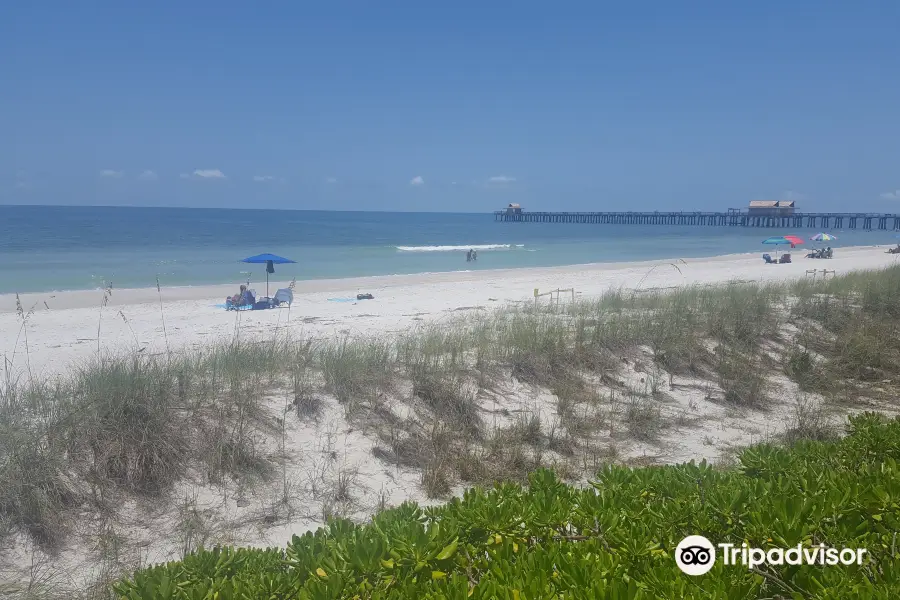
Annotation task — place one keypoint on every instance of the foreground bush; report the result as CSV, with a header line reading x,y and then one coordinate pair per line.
x,y
614,539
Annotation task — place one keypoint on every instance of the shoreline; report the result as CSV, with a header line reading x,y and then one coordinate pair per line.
x,y
90,298
72,328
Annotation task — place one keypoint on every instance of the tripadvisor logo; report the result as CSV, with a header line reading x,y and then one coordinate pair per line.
x,y
696,555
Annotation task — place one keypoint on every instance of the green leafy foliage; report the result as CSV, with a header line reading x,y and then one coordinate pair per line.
x,y
612,539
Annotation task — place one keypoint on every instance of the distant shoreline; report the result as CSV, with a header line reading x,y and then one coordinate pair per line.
x,y
214,291
84,298
63,328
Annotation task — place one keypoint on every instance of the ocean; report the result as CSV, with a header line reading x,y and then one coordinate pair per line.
x,y
74,248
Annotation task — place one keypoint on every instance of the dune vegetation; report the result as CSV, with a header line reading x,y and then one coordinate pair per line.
x,y
615,538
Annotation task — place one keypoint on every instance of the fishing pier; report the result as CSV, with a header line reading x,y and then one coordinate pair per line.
x,y
759,214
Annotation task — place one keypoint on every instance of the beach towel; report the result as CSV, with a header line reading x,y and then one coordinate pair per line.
x,y
342,299
226,307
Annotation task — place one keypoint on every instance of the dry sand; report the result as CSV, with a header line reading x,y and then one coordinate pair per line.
x,y
63,329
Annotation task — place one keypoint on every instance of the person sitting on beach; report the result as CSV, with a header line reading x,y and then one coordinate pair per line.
x,y
242,298
246,297
234,300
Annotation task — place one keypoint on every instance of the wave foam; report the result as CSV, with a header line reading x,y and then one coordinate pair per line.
x,y
457,248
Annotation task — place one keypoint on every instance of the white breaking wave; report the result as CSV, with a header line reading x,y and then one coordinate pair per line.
x,y
457,248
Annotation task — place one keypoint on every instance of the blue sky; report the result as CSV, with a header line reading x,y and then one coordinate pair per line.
x,y
460,106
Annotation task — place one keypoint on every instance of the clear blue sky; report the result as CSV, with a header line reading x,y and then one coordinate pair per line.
x,y
578,106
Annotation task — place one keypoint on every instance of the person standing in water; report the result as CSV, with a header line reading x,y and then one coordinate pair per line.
x,y
474,254
469,256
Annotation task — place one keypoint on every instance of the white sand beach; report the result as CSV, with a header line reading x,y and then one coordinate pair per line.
x,y
63,328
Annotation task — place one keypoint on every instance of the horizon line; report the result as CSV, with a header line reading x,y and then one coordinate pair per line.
x,y
236,208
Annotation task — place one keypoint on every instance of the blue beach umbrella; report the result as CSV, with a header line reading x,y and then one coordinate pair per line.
x,y
270,260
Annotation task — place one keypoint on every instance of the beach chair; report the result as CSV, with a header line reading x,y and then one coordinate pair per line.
x,y
283,296
785,258
769,260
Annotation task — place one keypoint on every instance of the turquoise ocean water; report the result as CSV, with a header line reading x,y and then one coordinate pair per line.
x,y
70,248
